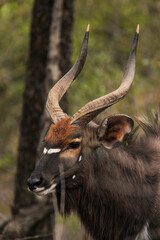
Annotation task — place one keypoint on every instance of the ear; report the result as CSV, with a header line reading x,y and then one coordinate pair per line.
x,y
114,130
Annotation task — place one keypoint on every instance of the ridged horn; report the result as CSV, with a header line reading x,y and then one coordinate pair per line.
x,y
60,88
93,108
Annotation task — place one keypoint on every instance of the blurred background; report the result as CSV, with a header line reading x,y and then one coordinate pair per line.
x,y
113,24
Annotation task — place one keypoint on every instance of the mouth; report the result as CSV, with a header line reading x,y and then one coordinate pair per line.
x,y
45,190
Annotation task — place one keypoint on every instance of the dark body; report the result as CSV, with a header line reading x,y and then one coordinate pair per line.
x,y
115,191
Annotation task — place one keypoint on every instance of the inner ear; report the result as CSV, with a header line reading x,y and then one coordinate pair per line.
x,y
114,130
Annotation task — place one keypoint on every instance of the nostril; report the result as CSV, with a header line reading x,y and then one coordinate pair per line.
x,y
33,183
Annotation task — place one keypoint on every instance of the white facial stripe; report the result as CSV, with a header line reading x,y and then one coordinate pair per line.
x,y
53,150
45,150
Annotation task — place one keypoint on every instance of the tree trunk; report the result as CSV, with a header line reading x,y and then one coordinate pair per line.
x,y
33,100
50,48
60,50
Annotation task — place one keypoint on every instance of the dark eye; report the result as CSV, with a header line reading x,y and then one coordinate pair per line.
x,y
74,145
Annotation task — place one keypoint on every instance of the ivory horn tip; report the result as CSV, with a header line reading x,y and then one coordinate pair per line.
x,y
88,27
137,29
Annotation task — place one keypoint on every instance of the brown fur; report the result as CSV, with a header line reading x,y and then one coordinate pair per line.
x,y
124,180
60,132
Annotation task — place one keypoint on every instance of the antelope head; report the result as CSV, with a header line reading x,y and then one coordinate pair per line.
x,y
65,142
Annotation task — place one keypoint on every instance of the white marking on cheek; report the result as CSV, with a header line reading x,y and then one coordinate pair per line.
x,y
80,158
45,150
39,189
54,150
143,235
74,176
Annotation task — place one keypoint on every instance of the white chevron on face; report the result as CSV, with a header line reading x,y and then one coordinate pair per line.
x,y
51,150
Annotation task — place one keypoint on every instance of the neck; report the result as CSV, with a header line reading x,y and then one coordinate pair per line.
x,y
117,188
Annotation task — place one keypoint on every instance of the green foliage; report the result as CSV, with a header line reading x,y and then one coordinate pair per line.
x,y
70,224
113,23
14,35
6,162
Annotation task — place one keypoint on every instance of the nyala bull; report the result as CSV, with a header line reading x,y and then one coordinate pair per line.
x,y
111,177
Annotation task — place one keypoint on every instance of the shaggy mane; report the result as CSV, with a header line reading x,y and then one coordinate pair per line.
x,y
151,125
